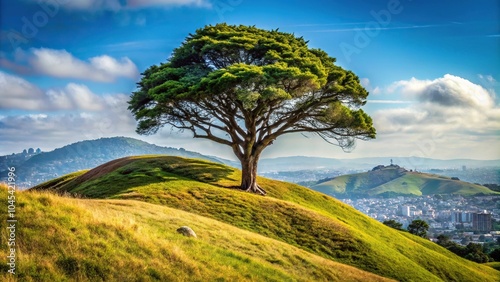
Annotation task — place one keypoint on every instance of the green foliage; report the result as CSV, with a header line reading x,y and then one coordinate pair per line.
x,y
495,254
291,216
418,227
251,85
393,224
473,252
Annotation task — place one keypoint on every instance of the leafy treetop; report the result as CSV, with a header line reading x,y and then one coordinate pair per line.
x,y
243,87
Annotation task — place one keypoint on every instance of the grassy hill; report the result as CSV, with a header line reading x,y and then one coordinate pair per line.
x,y
64,238
333,241
397,181
84,155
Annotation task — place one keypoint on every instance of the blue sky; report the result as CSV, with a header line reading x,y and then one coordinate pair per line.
x,y
432,68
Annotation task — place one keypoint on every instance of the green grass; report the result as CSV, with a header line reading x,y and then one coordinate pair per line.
x,y
61,239
291,214
404,183
495,265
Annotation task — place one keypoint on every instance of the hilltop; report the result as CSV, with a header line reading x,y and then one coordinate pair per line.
x,y
84,155
394,180
202,193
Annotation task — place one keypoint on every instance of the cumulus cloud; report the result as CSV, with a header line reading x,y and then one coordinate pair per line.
x,y
83,115
449,104
62,64
448,91
19,94
56,130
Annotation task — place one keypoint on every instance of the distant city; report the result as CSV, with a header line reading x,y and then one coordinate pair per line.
x,y
465,219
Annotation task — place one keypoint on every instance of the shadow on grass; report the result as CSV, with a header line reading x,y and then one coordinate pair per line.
x,y
111,179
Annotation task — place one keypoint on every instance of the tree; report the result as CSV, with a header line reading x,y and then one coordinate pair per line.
x,y
244,87
394,224
475,253
444,240
418,227
495,254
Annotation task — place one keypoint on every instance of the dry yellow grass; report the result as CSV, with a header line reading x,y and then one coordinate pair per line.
x,y
291,214
64,238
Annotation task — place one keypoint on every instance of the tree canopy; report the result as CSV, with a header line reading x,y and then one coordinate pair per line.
x,y
418,227
393,224
243,87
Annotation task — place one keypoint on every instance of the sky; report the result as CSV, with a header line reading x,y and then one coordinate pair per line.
x,y
68,68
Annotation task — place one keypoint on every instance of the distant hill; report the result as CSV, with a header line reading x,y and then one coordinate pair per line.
x,y
308,163
84,155
394,180
292,234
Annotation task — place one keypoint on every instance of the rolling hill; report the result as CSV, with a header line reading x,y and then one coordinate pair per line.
x,y
292,234
68,239
84,155
396,181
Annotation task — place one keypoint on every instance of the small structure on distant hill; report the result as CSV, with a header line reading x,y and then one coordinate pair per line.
x,y
186,231
392,166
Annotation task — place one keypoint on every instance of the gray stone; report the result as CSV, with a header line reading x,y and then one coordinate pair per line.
x,y
186,231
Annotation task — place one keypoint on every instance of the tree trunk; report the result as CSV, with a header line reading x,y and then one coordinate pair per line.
x,y
249,176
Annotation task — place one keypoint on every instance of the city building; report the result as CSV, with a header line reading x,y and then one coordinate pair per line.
x,y
481,222
461,217
404,210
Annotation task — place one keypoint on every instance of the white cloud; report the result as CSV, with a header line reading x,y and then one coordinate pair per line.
x,y
78,97
150,3
52,131
93,5
365,82
448,91
446,111
117,5
19,94
62,64
388,102
56,129
489,79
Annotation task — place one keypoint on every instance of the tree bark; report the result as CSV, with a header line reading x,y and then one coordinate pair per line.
x,y
249,175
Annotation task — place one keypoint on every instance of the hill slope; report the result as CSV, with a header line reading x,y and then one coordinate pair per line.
x,y
290,214
84,155
123,240
394,180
